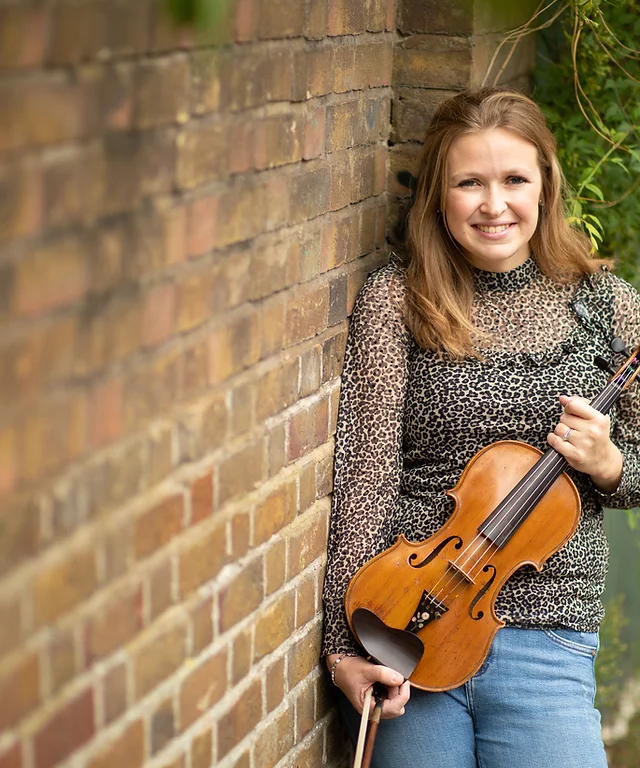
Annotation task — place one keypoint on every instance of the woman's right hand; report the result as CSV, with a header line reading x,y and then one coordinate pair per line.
x,y
355,675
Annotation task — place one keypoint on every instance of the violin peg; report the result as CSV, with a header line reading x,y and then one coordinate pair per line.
x,y
604,365
619,347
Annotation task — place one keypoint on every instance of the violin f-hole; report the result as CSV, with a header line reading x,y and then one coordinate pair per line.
x,y
435,552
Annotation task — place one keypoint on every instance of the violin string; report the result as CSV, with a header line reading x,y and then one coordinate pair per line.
x,y
527,493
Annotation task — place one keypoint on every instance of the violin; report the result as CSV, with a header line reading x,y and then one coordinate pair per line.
x,y
427,609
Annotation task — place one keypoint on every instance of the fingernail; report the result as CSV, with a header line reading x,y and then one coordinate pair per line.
x,y
397,680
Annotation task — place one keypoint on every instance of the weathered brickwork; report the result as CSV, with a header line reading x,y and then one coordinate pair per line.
x,y
185,221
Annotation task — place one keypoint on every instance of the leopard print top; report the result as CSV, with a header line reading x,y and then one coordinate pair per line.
x,y
409,423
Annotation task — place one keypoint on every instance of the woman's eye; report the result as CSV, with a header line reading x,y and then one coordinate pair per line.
x,y
517,180
468,183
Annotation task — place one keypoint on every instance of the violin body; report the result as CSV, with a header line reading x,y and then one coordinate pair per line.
x,y
444,589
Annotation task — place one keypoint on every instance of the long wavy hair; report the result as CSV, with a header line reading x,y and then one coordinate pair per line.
x,y
439,277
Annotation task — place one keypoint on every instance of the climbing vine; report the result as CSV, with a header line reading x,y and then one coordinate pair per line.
x,y
587,81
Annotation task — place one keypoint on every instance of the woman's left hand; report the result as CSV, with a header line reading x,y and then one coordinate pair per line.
x,y
582,437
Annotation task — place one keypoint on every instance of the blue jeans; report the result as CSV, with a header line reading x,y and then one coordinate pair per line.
x,y
529,706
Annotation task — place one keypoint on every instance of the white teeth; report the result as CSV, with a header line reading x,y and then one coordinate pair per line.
x,y
493,230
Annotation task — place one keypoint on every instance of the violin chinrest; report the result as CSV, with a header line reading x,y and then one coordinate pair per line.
x,y
395,648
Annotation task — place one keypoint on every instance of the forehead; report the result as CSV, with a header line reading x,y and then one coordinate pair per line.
x,y
491,150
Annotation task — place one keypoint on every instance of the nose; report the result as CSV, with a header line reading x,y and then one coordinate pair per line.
x,y
493,203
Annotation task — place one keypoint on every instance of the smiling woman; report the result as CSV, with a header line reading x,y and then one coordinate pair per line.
x,y
476,337
493,193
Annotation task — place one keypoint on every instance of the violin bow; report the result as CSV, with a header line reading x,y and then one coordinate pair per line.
x,y
362,733
364,747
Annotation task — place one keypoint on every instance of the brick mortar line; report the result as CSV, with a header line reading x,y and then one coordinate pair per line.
x,y
39,639
171,685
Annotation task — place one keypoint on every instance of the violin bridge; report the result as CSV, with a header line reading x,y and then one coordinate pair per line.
x,y
428,609
466,576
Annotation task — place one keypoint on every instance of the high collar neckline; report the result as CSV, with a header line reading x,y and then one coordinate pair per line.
x,y
511,280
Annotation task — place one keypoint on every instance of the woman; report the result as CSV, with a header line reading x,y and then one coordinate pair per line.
x,y
497,312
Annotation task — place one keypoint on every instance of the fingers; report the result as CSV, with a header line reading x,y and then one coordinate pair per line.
x,y
393,705
355,676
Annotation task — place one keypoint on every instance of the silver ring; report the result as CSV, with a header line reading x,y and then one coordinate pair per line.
x,y
566,435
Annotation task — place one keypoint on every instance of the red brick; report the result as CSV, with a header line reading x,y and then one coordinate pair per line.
x,y
201,225
275,684
308,428
347,18
8,470
316,19
19,691
71,726
312,72
306,606
201,560
307,314
309,194
21,198
304,656
160,589
115,623
125,751
311,756
158,526
242,471
22,36
243,409
106,412
194,300
305,719
19,530
204,686
156,655
162,91
275,741
64,584
62,659
241,658
275,566
202,626
9,622
11,757
201,497
307,540
314,134
162,726
42,112
278,141
158,315
233,278
201,750
281,18
241,596
274,625
272,329
114,686
240,534
202,154
205,80
241,719
275,512
51,276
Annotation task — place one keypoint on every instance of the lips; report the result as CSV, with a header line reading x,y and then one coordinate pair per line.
x,y
492,230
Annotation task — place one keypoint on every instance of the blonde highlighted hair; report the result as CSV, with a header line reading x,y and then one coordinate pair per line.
x,y
440,279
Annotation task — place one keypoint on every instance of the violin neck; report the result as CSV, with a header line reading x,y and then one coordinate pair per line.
x,y
509,515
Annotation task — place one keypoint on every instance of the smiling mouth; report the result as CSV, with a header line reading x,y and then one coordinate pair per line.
x,y
492,230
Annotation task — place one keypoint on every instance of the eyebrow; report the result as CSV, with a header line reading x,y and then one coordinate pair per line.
x,y
474,174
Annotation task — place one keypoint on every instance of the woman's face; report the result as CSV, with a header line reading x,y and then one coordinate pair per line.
x,y
493,193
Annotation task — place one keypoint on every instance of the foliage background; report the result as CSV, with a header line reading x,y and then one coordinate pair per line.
x,y
599,141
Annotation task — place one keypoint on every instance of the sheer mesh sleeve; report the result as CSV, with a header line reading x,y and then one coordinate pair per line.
x,y
368,452
626,432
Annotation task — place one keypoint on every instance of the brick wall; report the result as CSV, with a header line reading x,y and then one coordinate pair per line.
x,y
185,220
